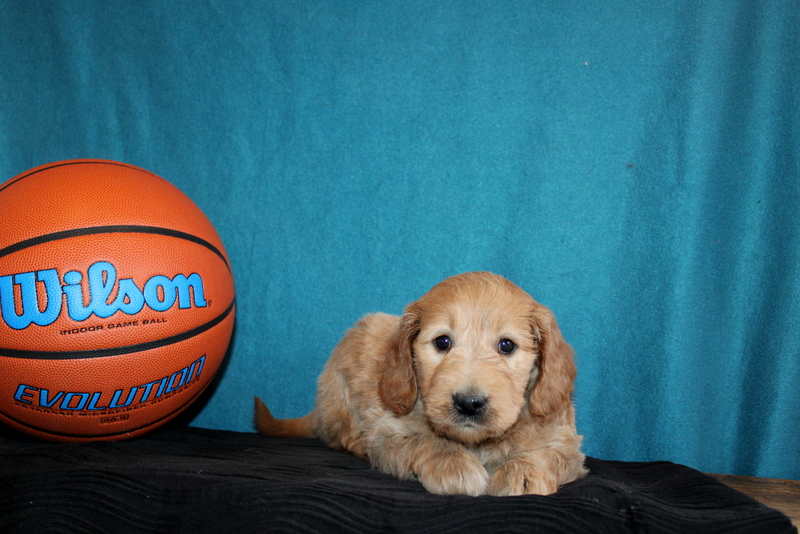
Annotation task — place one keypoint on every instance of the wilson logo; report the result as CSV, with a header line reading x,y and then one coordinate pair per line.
x,y
21,303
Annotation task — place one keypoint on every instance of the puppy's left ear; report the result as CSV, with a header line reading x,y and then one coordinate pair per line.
x,y
553,386
398,383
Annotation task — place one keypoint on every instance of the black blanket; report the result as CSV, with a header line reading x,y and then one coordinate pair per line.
x,y
192,480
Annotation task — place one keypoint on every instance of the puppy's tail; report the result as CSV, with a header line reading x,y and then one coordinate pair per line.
x,y
267,425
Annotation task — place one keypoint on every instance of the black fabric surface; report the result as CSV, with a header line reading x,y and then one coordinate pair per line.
x,y
193,480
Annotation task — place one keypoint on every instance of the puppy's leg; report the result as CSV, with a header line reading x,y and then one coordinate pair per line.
x,y
539,472
447,468
442,466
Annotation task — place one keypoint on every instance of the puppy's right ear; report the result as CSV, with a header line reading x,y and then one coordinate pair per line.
x,y
398,383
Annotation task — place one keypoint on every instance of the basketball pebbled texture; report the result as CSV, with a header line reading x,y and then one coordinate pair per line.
x,y
116,301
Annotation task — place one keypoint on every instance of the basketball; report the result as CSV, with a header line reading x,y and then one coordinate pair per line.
x,y
116,301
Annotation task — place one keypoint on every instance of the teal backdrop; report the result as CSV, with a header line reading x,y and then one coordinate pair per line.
x,y
633,165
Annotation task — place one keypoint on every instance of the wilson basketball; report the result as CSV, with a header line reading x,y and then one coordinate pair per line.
x,y
116,301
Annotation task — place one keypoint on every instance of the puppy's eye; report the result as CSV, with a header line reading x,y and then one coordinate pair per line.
x,y
506,346
442,343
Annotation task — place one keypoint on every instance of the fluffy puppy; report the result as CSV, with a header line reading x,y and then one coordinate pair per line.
x,y
469,391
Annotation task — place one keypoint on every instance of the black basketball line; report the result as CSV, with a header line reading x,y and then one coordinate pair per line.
x,y
116,351
112,229
154,423
77,162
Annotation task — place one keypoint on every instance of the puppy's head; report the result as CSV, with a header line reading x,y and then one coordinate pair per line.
x,y
479,352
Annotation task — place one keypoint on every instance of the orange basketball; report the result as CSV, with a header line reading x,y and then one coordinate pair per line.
x,y
116,301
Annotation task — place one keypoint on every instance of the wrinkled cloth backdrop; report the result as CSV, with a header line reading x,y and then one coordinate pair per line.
x,y
633,167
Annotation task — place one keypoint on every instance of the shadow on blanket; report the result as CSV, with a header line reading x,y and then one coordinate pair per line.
x,y
192,480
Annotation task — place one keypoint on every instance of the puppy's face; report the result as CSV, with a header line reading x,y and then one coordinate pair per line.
x,y
475,356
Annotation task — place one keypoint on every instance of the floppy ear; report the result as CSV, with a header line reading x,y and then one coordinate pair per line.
x,y
554,381
398,383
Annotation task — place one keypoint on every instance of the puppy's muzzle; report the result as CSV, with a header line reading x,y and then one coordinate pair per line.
x,y
470,406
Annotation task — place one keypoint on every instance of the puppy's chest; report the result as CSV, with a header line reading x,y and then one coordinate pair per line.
x,y
492,455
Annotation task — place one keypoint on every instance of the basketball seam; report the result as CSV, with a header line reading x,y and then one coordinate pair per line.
x,y
77,162
116,351
111,229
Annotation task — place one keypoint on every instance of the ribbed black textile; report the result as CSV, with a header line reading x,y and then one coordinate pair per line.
x,y
192,480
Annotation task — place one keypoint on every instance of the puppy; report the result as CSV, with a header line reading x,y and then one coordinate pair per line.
x,y
469,391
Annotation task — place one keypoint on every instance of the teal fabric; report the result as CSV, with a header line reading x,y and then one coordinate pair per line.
x,y
633,166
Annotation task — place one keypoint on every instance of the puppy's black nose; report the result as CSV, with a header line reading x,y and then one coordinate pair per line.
x,y
470,405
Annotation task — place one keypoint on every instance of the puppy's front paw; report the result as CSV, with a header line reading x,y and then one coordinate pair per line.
x,y
520,477
454,472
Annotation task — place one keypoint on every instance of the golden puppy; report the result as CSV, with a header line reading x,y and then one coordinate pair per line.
x,y
469,391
